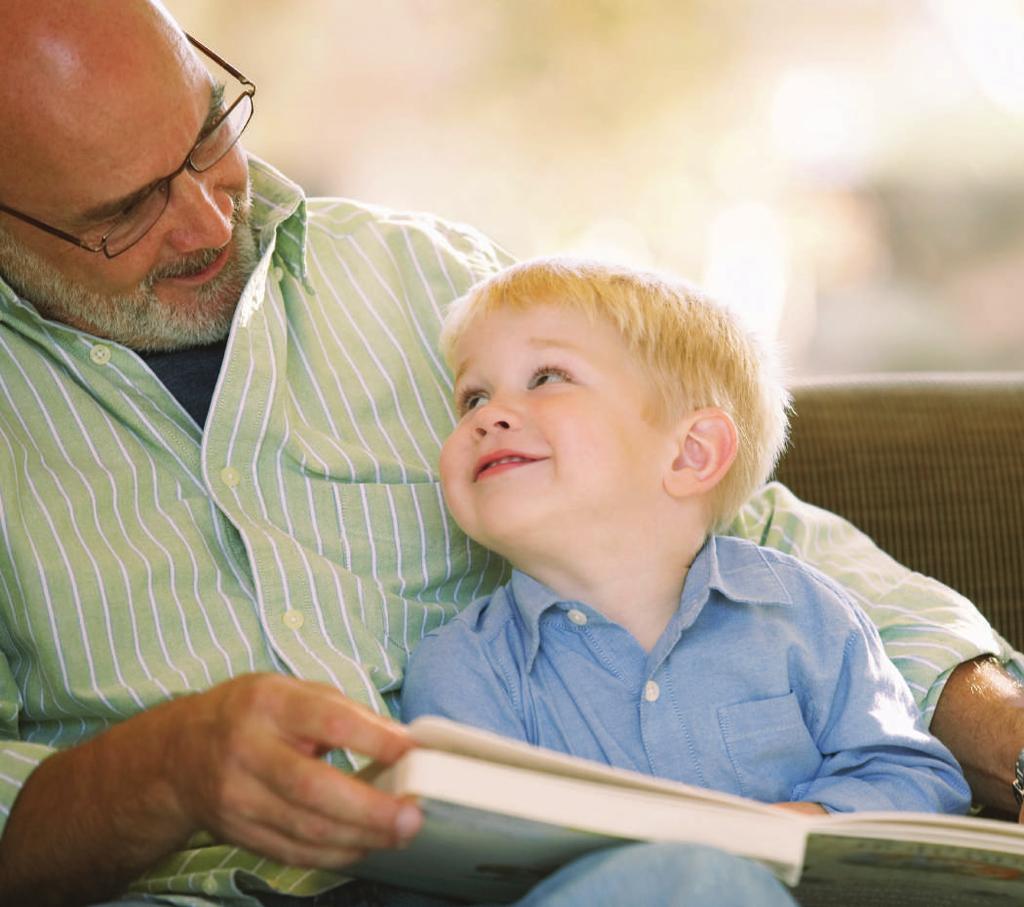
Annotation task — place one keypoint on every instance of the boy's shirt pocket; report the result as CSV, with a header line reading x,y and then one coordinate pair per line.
x,y
769,747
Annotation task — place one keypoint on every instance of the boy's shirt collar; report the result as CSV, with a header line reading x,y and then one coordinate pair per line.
x,y
734,568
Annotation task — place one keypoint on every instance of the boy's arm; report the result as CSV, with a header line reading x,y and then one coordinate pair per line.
x,y
927,629
865,722
964,676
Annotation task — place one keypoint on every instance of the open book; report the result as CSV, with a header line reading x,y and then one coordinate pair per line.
x,y
500,815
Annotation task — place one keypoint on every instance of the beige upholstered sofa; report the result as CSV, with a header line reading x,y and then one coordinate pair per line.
x,y
931,466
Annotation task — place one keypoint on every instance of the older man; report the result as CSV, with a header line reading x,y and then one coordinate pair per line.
x,y
220,528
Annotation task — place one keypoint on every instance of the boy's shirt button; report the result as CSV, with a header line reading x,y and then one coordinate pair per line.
x,y
577,617
651,691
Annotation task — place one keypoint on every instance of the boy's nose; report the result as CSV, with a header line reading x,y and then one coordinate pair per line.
x,y
495,415
486,425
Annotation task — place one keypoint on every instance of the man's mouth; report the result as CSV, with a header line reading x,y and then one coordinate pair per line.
x,y
197,271
501,461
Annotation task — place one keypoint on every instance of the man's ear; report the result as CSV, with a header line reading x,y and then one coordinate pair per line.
x,y
705,447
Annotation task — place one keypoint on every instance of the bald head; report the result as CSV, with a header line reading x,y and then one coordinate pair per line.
x,y
83,82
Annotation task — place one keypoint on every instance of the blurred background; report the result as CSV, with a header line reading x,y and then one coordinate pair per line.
x,y
847,173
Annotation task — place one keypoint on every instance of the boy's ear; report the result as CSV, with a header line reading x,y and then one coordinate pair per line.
x,y
705,447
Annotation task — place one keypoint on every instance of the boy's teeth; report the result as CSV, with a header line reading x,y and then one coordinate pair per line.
x,y
502,460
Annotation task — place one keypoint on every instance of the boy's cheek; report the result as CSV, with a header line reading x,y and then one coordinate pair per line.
x,y
452,468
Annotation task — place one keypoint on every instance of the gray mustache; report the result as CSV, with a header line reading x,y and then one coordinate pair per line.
x,y
195,262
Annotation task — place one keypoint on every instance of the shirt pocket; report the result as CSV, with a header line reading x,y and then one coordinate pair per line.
x,y
769,747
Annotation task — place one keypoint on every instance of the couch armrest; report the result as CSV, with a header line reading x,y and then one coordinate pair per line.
x,y
931,466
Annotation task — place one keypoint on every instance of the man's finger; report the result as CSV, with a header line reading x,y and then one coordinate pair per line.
x,y
343,801
326,718
277,846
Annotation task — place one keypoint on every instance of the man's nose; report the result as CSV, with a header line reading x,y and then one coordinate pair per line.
x,y
200,211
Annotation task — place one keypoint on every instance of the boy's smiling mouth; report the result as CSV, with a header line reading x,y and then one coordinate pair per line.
x,y
501,461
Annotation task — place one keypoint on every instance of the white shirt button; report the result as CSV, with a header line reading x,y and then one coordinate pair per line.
x,y
230,476
277,272
100,354
651,691
293,619
577,617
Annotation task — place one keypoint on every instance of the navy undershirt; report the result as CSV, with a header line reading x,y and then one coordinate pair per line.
x,y
191,375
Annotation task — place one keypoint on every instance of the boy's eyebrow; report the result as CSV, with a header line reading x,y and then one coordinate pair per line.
x,y
539,343
106,210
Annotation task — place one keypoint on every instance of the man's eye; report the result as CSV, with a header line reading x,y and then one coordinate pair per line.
x,y
549,375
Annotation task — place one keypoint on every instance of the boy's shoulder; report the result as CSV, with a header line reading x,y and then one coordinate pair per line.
x,y
481,620
797,580
485,636
794,592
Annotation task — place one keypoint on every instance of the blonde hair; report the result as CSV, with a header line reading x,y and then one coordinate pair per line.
x,y
695,350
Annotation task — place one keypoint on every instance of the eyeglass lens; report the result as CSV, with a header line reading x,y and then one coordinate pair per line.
x,y
137,220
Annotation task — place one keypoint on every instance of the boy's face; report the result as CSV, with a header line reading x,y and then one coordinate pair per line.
x,y
555,443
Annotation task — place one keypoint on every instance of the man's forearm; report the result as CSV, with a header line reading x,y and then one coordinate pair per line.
x,y
92,818
980,717
240,760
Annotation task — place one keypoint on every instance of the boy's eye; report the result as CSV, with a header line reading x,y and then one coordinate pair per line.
x,y
549,375
471,399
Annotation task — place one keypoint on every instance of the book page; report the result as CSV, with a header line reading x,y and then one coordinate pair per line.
x,y
842,871
452,737
933,828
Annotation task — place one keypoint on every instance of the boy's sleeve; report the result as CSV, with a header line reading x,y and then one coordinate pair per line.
x,y
452,673
876,752
927,629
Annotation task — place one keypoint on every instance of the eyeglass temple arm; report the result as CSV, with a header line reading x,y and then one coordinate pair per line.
x,y
220,61
29,219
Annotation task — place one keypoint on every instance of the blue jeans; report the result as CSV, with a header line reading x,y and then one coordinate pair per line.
x,y
660,875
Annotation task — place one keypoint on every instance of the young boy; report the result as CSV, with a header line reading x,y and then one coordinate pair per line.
x,y
609,422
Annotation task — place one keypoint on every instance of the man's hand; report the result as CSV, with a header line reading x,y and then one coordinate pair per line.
x,y
800,806
244,763
240,761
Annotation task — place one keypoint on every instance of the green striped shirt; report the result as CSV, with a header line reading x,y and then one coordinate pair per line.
x,y
303,530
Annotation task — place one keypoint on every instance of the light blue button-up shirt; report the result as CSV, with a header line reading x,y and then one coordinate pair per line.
x,y
768,682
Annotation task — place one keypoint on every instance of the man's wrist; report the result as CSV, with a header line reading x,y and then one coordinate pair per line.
x,y
1018,779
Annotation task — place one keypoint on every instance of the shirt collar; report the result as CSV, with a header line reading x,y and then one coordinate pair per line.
x,y
278,210
734,568
531,598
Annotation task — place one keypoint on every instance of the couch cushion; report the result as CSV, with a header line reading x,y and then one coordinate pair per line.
x,y
931,466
